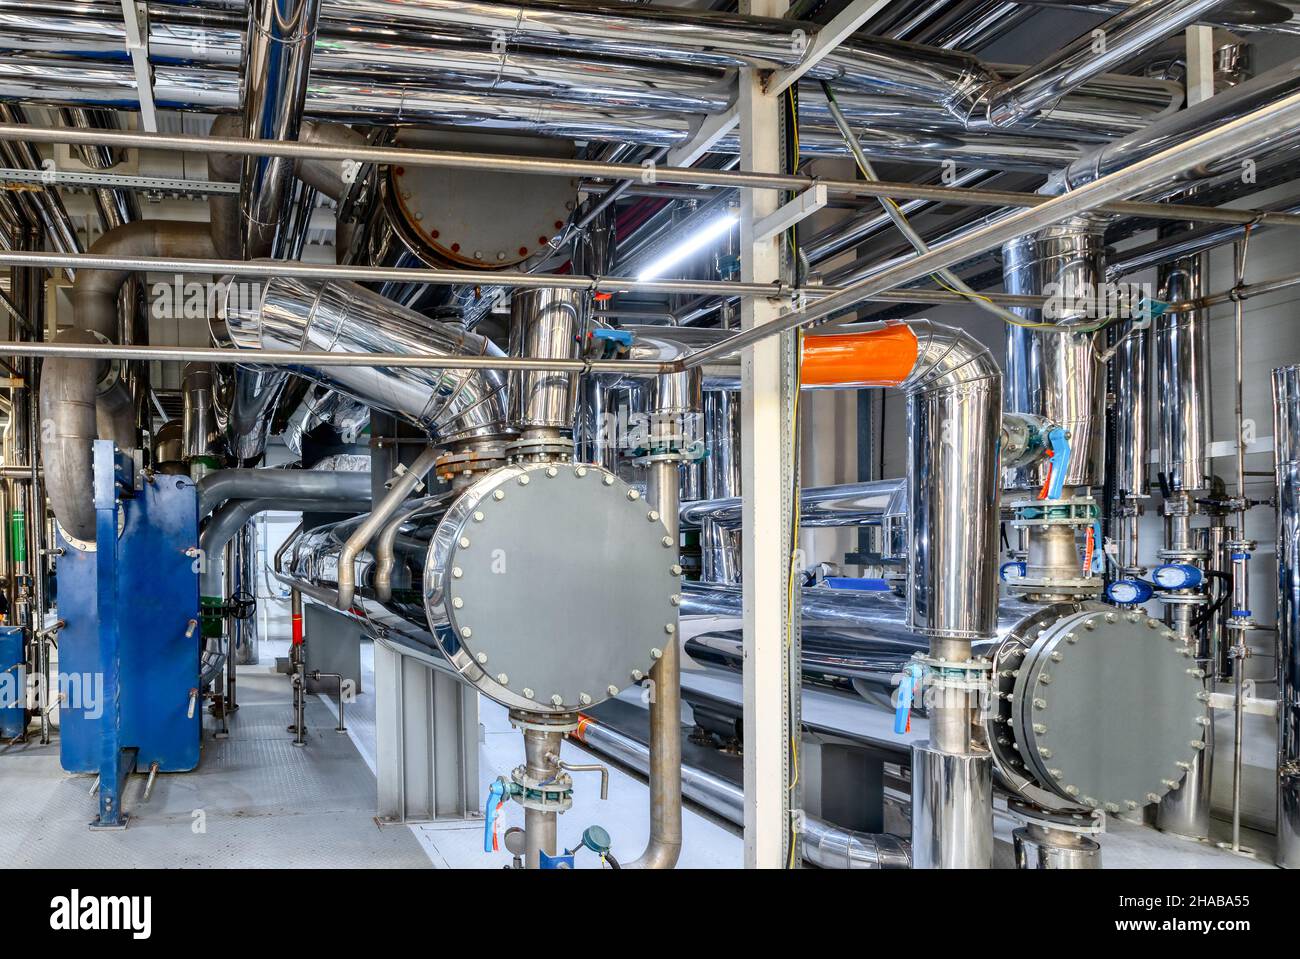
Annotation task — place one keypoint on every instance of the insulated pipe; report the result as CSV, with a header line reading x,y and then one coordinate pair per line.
x,y
399,489
335,317
1053,373
221,485
74,389
1138,28
281,36
954,414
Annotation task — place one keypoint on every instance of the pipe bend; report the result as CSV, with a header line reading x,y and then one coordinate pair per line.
x,y
68,431
948,357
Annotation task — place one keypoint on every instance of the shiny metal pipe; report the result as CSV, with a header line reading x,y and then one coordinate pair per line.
x,y
546,324
287,314
116,207
1268,89
1054,374
1139,27
399,489
540,835
952,809
1182,385
820,507
281,35
288,357
1286,422
1245,133
954,414
385,549
199,417
665,843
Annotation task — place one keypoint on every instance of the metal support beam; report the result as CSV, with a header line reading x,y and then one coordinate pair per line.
x,y
767,465
787,215
713,129
842,26
137,44
745,179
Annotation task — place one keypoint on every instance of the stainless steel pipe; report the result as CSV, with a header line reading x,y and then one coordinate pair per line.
x,y
1286,422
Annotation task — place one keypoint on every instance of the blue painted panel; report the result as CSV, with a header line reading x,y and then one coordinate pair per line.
x,y
157,595
13,702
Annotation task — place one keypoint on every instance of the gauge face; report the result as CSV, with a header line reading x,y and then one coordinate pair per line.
x,y
1123,592
1175,576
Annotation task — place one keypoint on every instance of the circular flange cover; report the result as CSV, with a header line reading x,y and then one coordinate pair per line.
x,y
1107,709
552,586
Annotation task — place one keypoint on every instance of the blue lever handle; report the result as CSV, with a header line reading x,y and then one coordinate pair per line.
x,y
908,687
496,792
1059,444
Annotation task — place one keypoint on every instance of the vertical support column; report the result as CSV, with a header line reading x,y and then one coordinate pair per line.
x,y
766,469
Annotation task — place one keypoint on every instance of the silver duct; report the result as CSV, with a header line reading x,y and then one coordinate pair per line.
x,y
82,401
954,416
546,324
1186,124
199,429
340,317
1139,27
1052,373
1286,438
1183,378
281,35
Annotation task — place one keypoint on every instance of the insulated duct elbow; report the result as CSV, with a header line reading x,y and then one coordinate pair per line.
x,y
82,400
336,317
954,415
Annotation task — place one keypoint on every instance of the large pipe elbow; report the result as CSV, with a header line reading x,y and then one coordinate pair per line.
x,y
68,431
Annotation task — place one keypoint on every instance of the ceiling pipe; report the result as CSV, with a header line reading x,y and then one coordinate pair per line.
x,y
1139,27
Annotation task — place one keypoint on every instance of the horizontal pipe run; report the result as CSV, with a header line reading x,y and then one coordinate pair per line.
x,y
185,354
543,166
1236,137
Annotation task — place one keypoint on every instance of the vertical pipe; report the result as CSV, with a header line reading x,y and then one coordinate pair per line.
x,y
277,64
1051,374
665,843
540,826
1286,417
954,415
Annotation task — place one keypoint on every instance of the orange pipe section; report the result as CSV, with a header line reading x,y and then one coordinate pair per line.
x,y
883,357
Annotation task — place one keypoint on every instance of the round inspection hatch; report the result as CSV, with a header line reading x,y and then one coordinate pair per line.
x,y
1107,708
551,587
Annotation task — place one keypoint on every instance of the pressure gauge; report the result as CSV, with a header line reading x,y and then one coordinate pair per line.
x,y
1177,576
1128,592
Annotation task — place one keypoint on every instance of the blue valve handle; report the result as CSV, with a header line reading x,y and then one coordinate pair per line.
x,y
1059,444
1099,550
907,690
496,794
